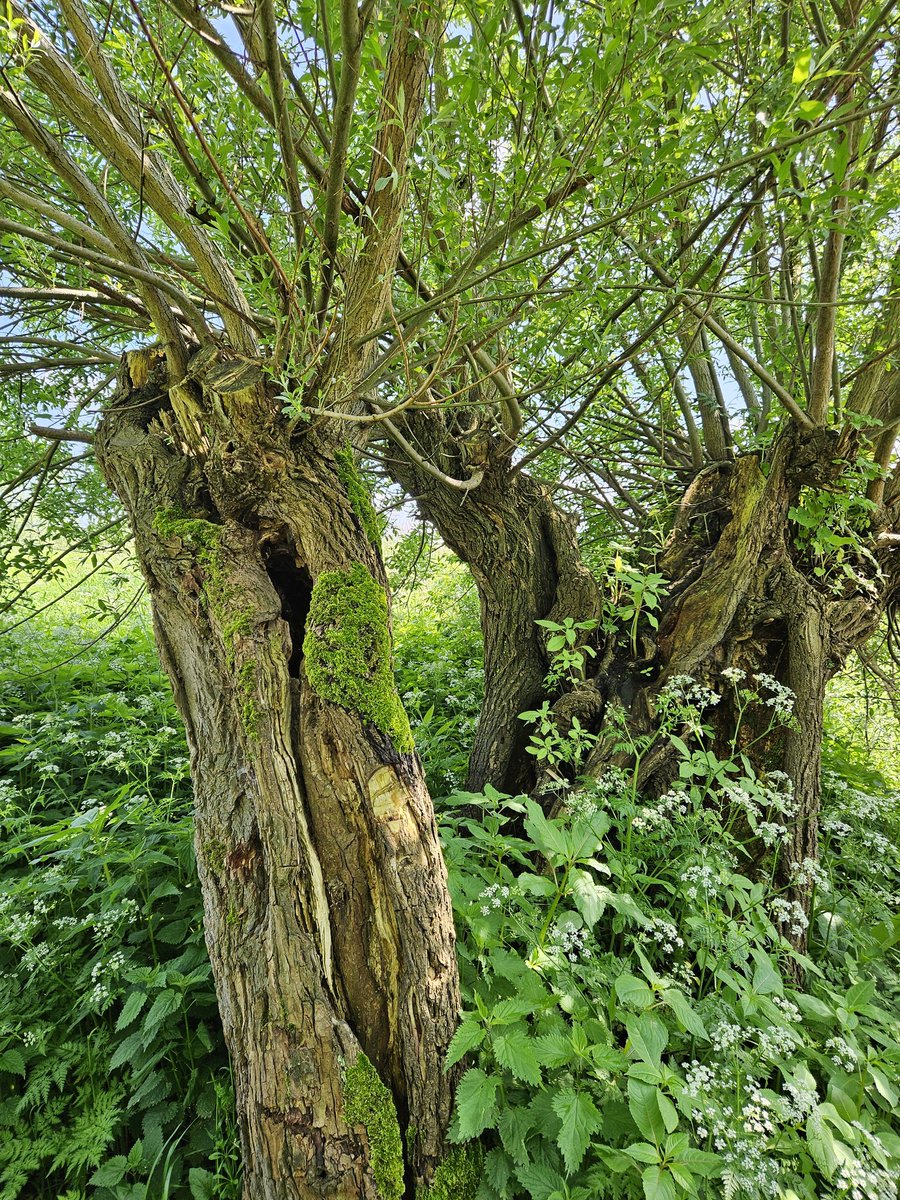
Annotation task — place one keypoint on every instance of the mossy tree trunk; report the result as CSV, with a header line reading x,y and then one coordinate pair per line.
x,y
326,909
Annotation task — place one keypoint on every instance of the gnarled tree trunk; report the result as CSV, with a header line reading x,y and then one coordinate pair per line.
x,y
740,594
523,554
326,910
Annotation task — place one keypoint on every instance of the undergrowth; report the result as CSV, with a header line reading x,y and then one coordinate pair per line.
x,y
114,1082
633,1026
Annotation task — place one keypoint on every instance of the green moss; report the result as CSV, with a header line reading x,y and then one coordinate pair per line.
x,y
348,650
458,1176
367,1101
202,535
357,494
204,538
249,707
214,854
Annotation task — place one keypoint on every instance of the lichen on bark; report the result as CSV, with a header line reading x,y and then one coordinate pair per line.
x,y
368,1102
347,650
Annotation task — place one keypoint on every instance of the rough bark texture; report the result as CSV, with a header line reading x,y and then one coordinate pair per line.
x,y
741,594
325,903
523,554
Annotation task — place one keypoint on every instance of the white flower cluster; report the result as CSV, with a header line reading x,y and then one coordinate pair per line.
x,y
581,806
9,797
789,913
770,833
699,1079
101,974
778,793
664,933
800,1102
682,691
701,882
613,782
570,940
842,1054
861,1179
35,957
787,1008
492,898
875,841
741,1136
776,1041
734,674
836,828
725,1036
758,1116
780,699
808,873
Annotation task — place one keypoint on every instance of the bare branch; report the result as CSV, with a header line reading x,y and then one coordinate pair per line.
x,y
53,433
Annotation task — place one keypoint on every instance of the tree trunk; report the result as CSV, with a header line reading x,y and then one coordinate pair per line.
x,y
740,594
326,910
523,554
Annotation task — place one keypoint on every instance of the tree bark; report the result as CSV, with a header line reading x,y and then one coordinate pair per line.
x,y
326,910
523,553
741,594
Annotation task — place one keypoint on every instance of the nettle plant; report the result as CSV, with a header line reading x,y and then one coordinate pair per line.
x,y
114,1083
630,1023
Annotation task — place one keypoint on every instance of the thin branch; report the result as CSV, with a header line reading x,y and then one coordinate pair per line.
x,y
53,433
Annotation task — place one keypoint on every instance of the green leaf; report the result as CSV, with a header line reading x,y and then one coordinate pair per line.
x,y
802,67
515,1050
659,1184
811,110
633,991
555,1049
701,1162
580,1119
766,977
643,1152
548,836
644,1109
163,1006
821,1142
859,995
202,1184
111,1173
648,1037
514,1125
467,1037
127,1049
130,1009
684,1012
12,1062
590,897
476,1104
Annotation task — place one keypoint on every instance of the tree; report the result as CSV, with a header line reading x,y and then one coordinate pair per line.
x,y
620,270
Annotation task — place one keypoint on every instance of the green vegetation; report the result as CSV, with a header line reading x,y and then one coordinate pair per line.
x,y
347,649
358,494
458,1176
634,1023
113,1078
368,1101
